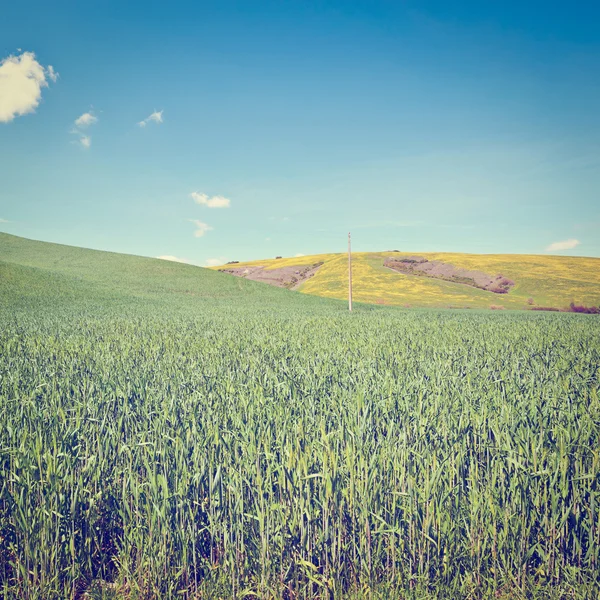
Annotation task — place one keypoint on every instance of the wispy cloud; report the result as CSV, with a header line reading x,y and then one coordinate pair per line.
x,y
210,201
86,119
52,74
175,259
299,255
21,81
82,122
155,117
201,228
4,221
214,262
564,245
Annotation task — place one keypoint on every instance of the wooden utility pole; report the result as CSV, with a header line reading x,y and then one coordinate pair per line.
x,y
349,275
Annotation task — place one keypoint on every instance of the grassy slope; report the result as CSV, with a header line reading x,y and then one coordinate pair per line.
x,y
549,280
31,272
34,267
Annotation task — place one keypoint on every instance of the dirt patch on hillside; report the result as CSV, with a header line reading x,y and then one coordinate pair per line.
x,y
287,277
417,265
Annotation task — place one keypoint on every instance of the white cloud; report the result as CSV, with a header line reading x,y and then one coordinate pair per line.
x,y
201,228
85,120
299,255
4,221
21,81
155,117
564,245
210,202
214,262
267,239
175,259
52,73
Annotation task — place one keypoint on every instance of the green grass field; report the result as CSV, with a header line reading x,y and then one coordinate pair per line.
x,y
173,432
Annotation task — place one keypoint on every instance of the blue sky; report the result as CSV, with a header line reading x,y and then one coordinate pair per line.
x,y
470,127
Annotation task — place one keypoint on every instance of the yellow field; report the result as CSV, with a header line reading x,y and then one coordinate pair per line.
x,y
550,280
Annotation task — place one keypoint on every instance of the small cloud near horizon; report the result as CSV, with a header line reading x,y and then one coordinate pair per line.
x,y
210,202
299,255
155,117
564,245
201,228
175,259
22,79
214,262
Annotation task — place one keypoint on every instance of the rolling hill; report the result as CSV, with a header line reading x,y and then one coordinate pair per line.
x,y
537,281
34,273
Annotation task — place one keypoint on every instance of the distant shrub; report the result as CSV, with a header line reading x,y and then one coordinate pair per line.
x,y
530,301
277,257
546,308
587,310
232,262
501,285
496,307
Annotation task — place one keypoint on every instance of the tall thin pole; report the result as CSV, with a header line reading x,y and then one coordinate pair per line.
x,y
349,275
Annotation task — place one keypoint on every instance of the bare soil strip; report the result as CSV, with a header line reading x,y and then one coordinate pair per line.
x,y
417,265
289,277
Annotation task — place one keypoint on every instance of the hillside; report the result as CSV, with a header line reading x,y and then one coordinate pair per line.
x,y
32,271
38,273
535,281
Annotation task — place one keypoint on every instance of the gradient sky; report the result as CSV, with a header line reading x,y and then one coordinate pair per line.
x,y
467,127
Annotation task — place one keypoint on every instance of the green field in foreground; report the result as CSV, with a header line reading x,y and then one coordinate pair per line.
x,y
172,432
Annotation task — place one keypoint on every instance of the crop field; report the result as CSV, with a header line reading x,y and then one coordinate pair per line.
x,y
549,281
173,432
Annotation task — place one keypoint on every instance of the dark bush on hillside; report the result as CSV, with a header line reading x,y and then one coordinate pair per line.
x,y
587,310
501,285
546,308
